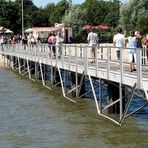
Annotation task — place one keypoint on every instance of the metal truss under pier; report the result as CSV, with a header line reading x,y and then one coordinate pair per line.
x,y
78,79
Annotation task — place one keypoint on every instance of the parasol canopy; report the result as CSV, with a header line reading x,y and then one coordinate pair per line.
x,y
102,27
8,31
29,30
87,27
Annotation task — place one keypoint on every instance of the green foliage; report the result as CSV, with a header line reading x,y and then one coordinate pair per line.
x,y
48,12
59,11
142,21
75,17
134,15
92,12
8,17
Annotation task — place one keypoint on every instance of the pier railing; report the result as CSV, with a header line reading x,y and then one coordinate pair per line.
x,y
77,57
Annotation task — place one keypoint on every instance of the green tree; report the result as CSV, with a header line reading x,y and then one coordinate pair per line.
x,y
132,14
113,14
142,21
48,11
59,11
75,17
8,15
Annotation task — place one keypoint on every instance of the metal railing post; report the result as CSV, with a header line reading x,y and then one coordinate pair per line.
x,y
121,81
108,63
85,59
139,67
96,60
76,75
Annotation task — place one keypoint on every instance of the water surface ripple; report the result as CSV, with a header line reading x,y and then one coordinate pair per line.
x,y
33,117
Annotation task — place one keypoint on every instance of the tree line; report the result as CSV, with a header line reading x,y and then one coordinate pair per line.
x,y
130,16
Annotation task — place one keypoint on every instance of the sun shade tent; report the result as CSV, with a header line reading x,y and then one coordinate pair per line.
x,y
8,31
102,27
29,30
42,29
2,29
46,29
87,27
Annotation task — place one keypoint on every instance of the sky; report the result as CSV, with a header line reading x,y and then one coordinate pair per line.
x,y
42,3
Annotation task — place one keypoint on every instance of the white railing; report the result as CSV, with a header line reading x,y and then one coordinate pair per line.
x,y
76,57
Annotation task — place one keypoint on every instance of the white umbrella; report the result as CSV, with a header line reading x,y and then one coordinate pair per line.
x,y
29,30
8,31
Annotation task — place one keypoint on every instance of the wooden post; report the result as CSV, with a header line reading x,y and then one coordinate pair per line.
x,y
113,92
37,73
82,89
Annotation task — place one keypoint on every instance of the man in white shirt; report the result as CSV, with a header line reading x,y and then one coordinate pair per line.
x,y
119,42
93,41
58,44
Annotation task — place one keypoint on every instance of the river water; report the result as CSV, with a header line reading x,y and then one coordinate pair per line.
x,y
32,116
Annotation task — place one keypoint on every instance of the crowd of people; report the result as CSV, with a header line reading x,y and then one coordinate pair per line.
x,y
27,38
54,43
133,42
55,39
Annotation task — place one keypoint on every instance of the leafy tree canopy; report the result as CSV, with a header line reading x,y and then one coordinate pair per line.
x,y
134,15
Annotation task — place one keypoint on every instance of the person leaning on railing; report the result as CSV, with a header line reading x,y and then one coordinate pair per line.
x,y
139,39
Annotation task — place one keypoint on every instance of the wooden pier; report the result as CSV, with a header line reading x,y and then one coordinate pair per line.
x,y
73,70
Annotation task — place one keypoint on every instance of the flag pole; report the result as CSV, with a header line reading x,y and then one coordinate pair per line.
x,y
22,18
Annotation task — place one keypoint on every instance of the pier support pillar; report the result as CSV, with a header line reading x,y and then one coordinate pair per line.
x,y
32,67
113,92
47,73
37,69
56,77
21,64
80,81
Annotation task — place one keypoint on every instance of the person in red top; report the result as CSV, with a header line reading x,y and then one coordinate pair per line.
x,y
146,42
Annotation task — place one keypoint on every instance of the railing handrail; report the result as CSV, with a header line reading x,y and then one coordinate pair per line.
x,y
80,54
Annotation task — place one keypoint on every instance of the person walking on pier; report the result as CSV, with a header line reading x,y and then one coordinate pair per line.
x,y
93,41
49,44
146,42
24,41
132,45
119,42
58,44
52,42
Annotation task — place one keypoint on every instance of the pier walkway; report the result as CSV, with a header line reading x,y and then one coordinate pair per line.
x,y
75,59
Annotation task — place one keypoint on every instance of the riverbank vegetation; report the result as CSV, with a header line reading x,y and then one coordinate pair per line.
x,y
130,16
